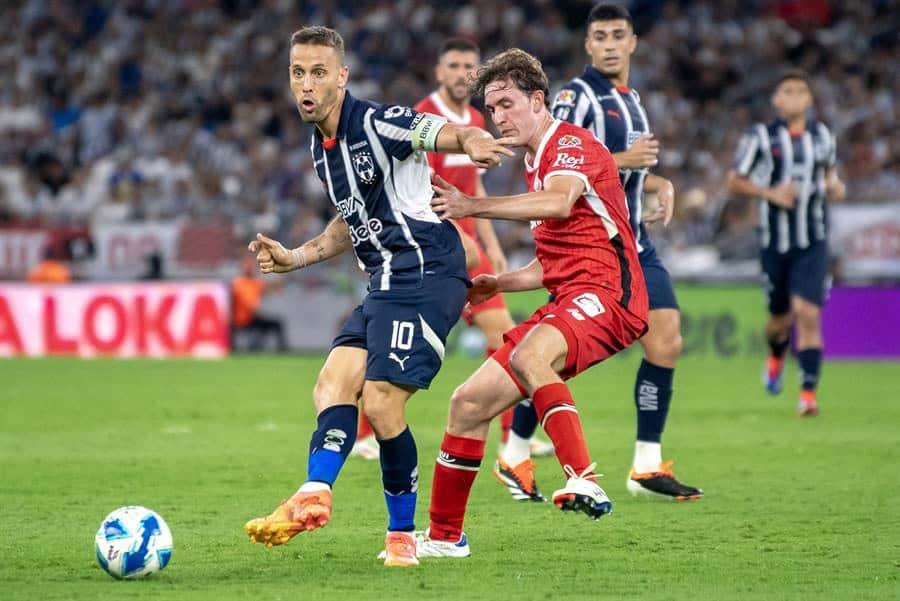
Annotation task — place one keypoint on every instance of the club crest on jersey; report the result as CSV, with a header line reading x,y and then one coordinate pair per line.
x,y
364,167
568,141
564,98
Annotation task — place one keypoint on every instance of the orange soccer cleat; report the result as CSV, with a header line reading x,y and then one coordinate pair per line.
x,y
400,549
303,512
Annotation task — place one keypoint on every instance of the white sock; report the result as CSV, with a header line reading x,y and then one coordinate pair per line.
x,y
313,487
516,450
647,456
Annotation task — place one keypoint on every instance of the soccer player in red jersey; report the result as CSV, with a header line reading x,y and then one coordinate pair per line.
x,y
458,60
586,256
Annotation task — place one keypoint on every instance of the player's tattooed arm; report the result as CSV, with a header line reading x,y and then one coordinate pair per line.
x,y
273,257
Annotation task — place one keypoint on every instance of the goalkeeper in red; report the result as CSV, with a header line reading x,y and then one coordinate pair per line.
x,y
586,257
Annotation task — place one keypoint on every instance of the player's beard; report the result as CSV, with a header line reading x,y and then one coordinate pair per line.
x,y
321,110
458,92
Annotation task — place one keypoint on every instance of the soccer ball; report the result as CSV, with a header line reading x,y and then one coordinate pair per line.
x,y
133,542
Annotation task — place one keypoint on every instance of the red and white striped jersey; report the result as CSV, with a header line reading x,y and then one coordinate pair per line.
x,y
457,169
594,246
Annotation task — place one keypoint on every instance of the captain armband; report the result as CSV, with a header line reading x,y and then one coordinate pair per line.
x,y
425,134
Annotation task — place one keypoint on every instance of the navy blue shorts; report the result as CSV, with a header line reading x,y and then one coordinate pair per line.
x,y
659,284
404,330
798,272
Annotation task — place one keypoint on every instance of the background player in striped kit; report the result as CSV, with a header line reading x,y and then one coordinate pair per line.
x,y
371,160
601,101
790,166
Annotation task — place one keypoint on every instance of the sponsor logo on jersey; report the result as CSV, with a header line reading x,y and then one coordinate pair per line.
x,y
564,98
358,145
397,111
564,159
568,141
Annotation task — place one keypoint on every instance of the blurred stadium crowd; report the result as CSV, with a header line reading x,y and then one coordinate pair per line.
x,y
146,111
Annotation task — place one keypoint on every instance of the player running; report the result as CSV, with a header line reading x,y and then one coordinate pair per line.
x,y
372,162
586,258
601,101
790,166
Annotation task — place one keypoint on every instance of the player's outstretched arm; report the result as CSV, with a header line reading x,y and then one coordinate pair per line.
x,y
485,286
273,257
484,150
555,201
783,195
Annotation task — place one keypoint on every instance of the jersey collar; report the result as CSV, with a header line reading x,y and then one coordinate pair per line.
x,y
447,112
346,111
597,79
540,150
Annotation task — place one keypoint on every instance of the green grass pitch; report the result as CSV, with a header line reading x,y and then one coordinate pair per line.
x,y
795,509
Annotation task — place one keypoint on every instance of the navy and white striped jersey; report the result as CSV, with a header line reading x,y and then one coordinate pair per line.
x,y
615,116
770,155
382,189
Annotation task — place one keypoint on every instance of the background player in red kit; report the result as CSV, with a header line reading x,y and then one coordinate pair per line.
x,y
586,257
458,60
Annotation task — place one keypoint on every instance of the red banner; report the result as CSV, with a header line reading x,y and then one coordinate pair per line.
x,y
119,320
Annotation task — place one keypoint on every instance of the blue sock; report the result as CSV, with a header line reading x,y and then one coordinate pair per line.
x,y
524,420
652,394
330,444
400,474
810,360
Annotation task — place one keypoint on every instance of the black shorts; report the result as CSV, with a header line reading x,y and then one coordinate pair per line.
x,y
660,291
404,330
799,272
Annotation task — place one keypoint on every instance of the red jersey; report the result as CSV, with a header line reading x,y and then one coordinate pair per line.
x,y
594,246
457,169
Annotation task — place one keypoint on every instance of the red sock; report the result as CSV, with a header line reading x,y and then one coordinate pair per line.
x,y
559,419
454,472
364,428
506,420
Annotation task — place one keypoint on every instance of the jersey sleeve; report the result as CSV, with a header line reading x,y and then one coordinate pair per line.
x,y
748,152
396,127
573,106
571,154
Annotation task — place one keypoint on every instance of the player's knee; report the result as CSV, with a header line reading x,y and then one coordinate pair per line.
x,y
522,361
807,317
331,390
383,408
466,409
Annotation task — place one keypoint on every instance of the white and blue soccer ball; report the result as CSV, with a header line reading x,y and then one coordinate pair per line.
x,y
133,542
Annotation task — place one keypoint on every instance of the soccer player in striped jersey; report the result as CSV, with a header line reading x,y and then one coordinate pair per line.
x,y
457,62
602,101
586,257
790,167
371,158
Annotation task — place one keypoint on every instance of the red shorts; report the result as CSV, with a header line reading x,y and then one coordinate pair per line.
x,y
495,302
594,324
